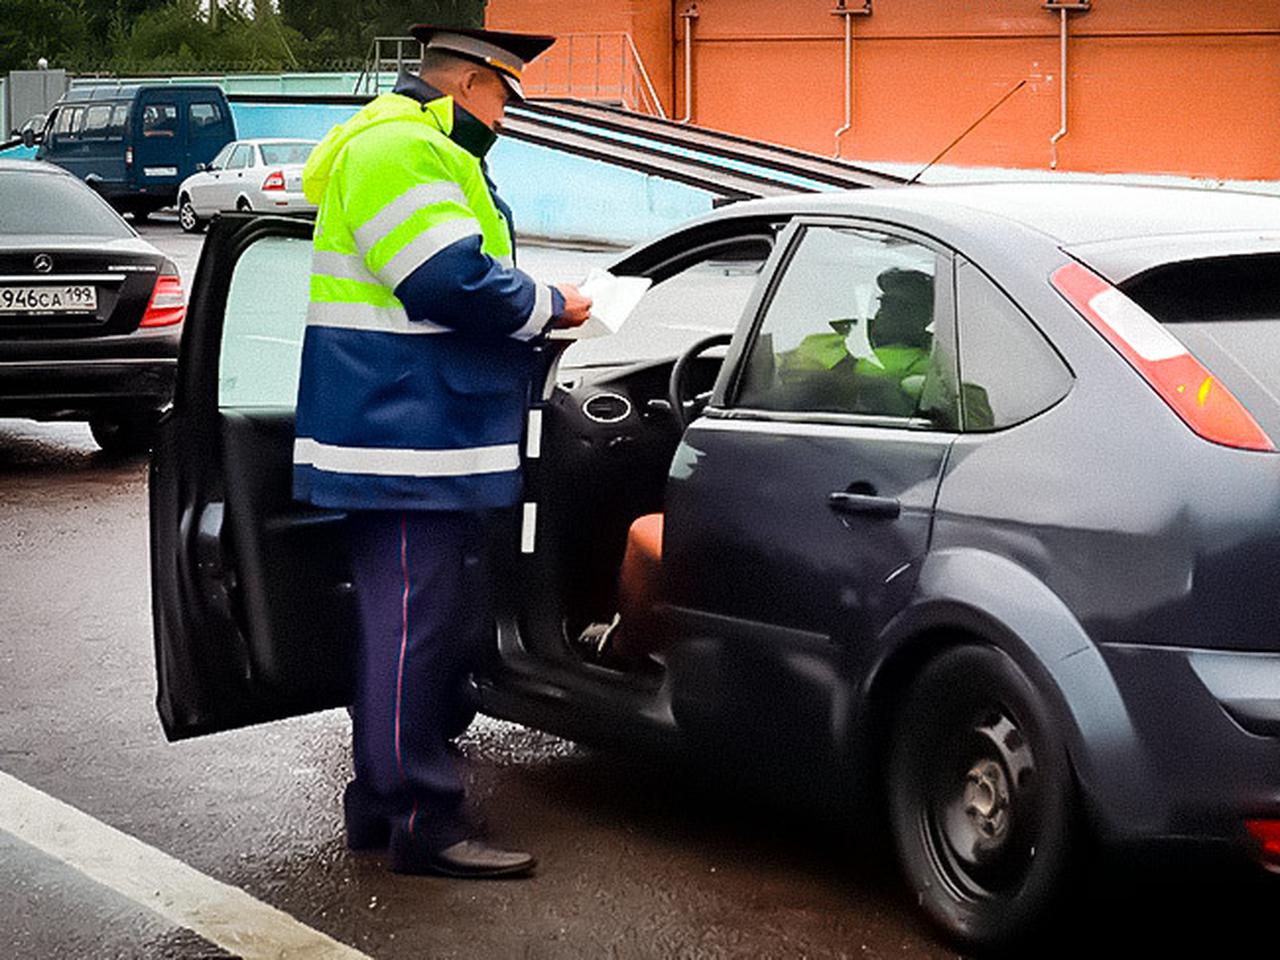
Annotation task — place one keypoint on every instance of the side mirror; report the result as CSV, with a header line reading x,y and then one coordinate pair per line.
x,y
28,137
201,167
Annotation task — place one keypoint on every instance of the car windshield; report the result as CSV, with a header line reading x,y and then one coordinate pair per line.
x,y
705,298
1226,311
296,151
54,205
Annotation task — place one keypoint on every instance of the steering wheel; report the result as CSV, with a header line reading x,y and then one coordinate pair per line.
x,y
683,410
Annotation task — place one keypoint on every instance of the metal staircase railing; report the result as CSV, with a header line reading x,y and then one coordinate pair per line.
x,y
604,67
601,67
388,56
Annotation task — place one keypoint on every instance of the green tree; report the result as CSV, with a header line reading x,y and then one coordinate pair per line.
x,y
69,33
30,29
392,18
344,29
177,38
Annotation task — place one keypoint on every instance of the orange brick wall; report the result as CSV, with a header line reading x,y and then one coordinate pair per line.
x,y
1161,86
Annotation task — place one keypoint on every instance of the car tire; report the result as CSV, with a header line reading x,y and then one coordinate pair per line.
x,y
981,799
125,433
187,218
244,206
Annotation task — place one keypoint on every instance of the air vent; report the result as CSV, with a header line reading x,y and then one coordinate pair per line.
x,y
606,407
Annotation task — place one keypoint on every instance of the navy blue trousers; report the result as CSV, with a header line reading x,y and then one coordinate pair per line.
x,y
423,592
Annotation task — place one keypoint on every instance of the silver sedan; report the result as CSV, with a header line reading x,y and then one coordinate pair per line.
x,y
258,174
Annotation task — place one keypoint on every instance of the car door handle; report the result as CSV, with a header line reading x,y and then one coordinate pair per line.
x,y
864,505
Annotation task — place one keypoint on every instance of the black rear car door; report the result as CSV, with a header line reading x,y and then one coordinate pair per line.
x,y
251,601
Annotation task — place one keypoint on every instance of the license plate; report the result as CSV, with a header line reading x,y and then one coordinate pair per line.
x,y
73,299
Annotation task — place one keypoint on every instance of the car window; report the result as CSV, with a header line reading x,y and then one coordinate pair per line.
x,y
1009,372
159,120
1226,311
280,153
68,122
54,205
220,158
850,329
706,295
265,319
119,121
97,119
203,115
240,157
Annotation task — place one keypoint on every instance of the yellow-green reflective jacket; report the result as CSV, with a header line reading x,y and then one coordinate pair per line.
x,y
417,356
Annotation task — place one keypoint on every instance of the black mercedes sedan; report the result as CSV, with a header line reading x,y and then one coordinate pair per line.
x,y
961,506
90,313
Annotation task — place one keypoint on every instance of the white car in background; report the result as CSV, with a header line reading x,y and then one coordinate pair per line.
x,y
260,174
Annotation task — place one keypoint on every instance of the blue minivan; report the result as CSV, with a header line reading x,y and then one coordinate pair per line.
x,y
134,143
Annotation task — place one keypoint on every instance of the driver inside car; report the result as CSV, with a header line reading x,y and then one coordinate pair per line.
x,y
822,374
898,376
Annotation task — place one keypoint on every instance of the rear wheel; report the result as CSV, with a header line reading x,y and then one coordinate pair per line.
x,y
981,798
187,218
125,432
244,206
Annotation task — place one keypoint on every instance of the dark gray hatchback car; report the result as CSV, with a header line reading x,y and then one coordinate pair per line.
x,y
977,519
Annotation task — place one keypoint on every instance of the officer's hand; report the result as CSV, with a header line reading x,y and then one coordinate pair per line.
x,y
576,307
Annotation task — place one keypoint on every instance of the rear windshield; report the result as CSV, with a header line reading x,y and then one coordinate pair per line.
x,y
1226,311
274,154
47,204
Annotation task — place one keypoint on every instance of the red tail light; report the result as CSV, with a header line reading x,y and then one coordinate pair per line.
x,y
128,156
274,181
1183,382
1267,833
168,302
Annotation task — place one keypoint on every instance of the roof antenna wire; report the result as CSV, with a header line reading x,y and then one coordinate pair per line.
x,y
947,149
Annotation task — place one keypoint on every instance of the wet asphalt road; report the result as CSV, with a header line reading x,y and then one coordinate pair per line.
x,y
639,859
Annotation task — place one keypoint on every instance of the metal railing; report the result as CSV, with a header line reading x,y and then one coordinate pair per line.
x,y
388,57
604,67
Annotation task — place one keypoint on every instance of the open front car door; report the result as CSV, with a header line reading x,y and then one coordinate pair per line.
x,y
251,600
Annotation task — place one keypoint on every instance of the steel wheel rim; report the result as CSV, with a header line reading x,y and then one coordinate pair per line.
x,y
978,819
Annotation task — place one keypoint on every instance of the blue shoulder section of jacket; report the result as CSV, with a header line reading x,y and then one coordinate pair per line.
x,y
467,290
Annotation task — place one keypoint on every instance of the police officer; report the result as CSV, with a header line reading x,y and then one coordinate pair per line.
x,y
416,370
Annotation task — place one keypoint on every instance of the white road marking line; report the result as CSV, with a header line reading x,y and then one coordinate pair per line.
x,y
222,914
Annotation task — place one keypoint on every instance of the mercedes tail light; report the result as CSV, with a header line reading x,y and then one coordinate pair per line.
x,y
168,304
1267,834
128,156
274,181
1183,382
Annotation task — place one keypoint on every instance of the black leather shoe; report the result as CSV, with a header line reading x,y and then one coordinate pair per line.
x,y
466,859
368,824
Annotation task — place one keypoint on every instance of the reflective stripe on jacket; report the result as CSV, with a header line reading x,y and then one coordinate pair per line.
x,y
416,359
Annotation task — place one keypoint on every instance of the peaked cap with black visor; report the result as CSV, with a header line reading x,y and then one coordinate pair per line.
x,y
507,54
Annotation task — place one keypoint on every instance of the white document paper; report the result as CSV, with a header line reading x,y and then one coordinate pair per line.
x,y
612,301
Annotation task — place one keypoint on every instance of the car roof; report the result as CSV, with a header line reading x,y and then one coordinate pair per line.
x,y
1069,213
127,91
34,166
